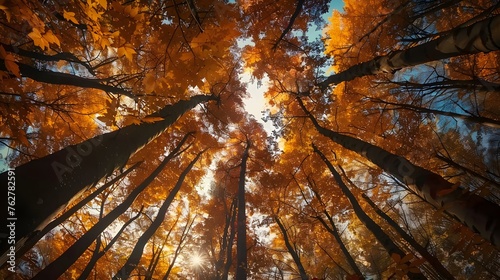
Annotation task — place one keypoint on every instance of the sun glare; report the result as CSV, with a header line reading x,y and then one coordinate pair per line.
x,y
197,260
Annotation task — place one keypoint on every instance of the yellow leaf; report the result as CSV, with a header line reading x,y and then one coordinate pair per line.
x,y
127,51
51,38
38,39
43,41
103,3
11,65
70,16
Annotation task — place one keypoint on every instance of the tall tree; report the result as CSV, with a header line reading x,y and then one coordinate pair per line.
x,y
479,37
61,264
470,209
135,256
47,185
396,253
241,241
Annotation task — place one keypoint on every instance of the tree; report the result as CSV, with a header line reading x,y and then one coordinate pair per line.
x,y
100,85
57,267
397,254
472,210
241,242
61,176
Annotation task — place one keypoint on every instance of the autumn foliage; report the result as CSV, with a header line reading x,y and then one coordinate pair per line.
x,y
128,125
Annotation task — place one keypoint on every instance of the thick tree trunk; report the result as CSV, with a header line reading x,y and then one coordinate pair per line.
x,y
483,36
66,259
291,250
474,211
136,255
36,237
241,241
433,261
47,185
377,231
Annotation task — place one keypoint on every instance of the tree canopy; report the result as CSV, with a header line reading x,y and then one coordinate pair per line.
x,y
128,150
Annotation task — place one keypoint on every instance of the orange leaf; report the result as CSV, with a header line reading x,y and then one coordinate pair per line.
x,y
70,16
127,50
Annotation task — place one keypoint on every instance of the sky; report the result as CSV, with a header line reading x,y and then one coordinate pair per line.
x,y
256,103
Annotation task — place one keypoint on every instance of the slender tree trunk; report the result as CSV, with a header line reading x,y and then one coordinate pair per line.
x,y
483,36
58,78
241,241
229,251
66,259
332,229
456,165
377,231
436,264
180,246
96,256
474,211
136,255
291,250
472,84
474,119
47,185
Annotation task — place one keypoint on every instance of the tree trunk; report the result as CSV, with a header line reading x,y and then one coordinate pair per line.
x,y
96,256
241,241
469,118
474,211
436,264
47,185
483,36
58,78
136,255
229,247
332,229
66,259
377,231
184,235
291,250
35,238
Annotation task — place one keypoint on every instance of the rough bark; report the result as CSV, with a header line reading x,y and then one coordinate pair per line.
x,y
66,259
483,36
377,231
474,211
47,185
136,255
241,241
432,260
